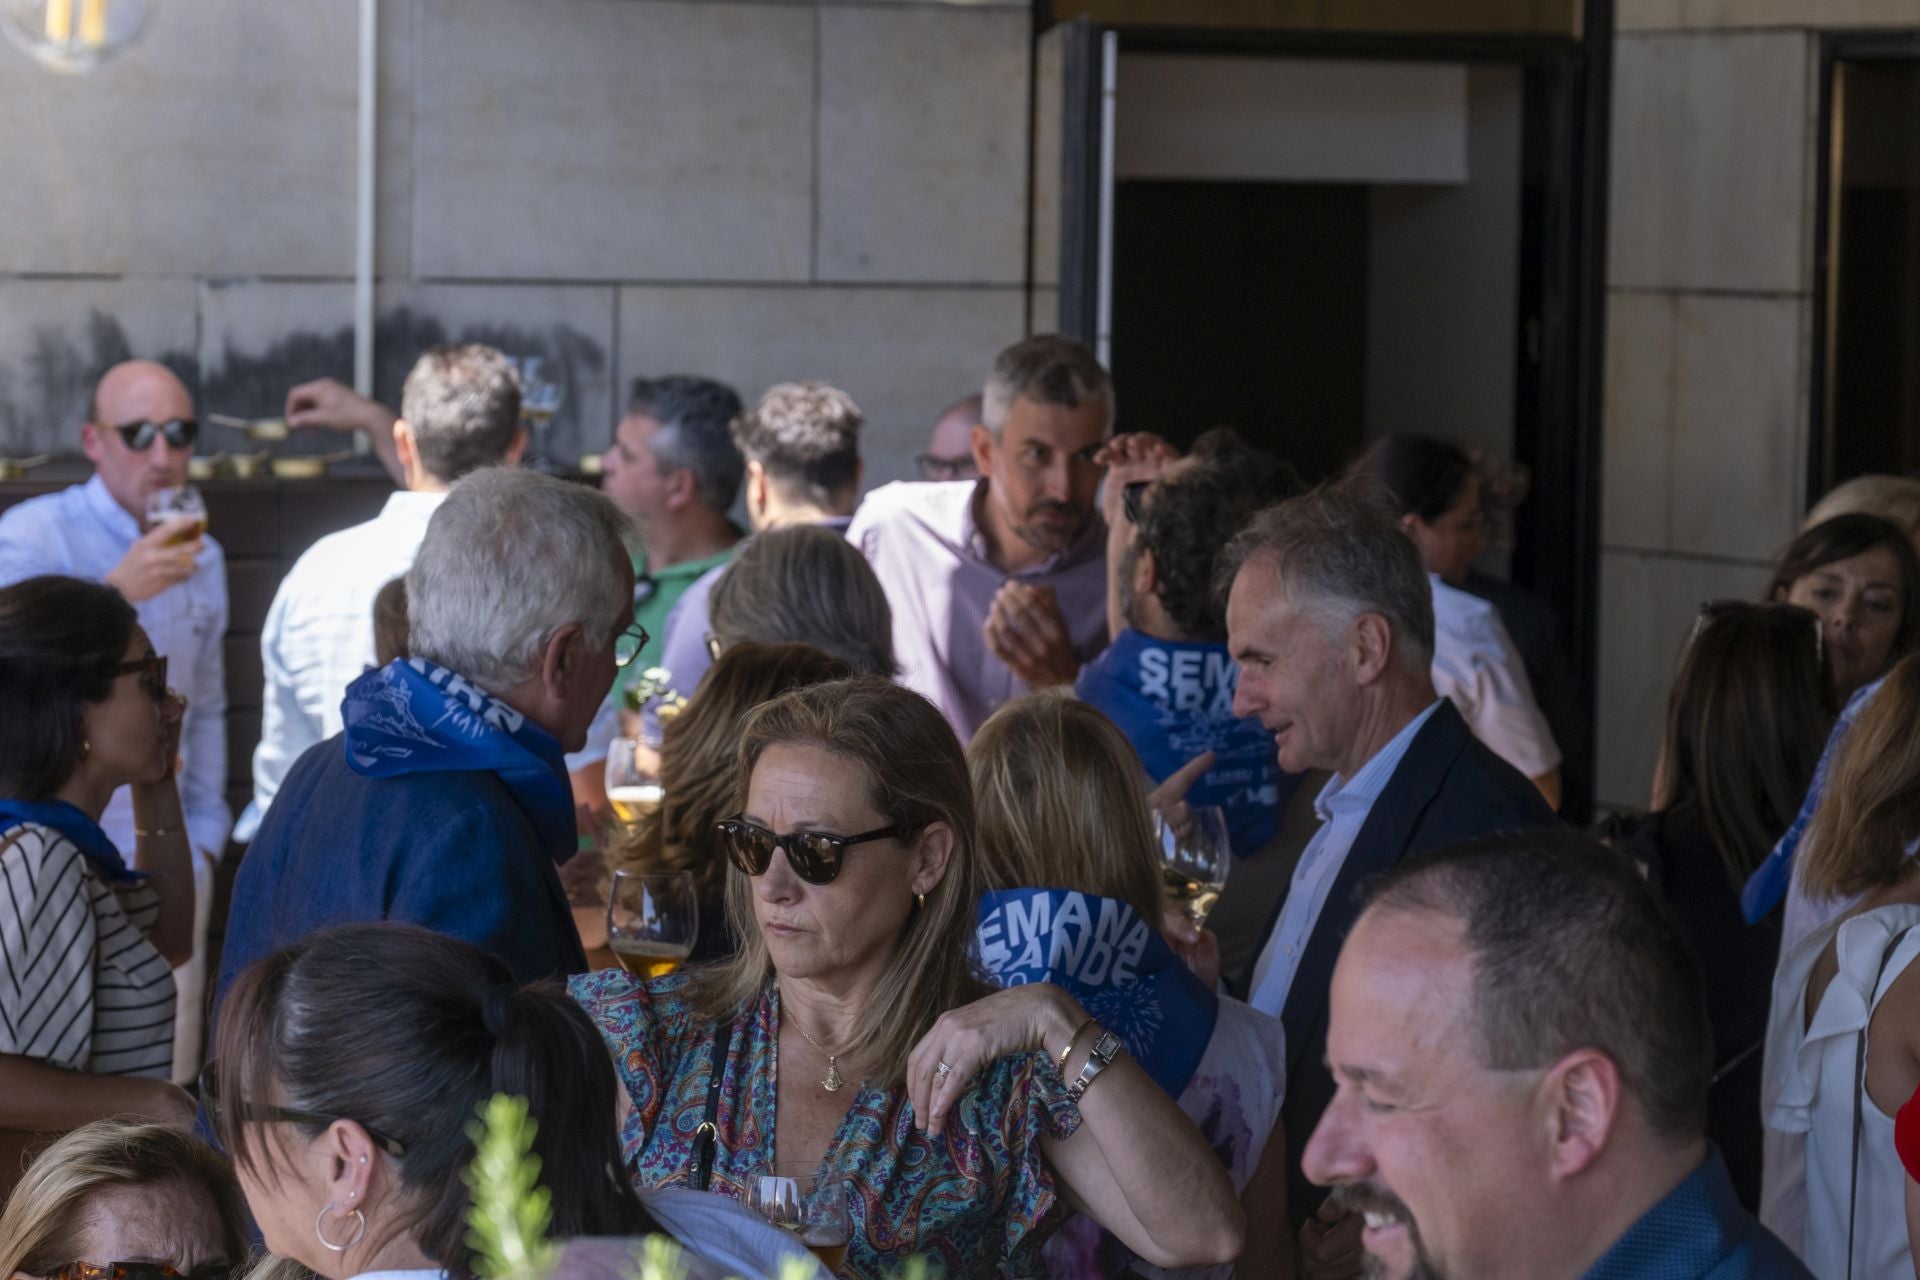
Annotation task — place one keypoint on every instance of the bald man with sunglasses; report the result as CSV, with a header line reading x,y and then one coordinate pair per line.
x,y
139,434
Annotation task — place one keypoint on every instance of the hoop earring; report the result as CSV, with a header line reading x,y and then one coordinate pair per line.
x,y
359,1229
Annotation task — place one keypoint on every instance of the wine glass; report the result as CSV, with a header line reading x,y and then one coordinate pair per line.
x,y
790,1197
541,395
632,790
652,921
1195,855
168,503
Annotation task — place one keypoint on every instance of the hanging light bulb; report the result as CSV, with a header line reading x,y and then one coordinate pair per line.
x,y
73,36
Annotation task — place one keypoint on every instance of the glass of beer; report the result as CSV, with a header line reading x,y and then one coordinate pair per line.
x,y
1195,855
652,921
172,503
788,1196
631,790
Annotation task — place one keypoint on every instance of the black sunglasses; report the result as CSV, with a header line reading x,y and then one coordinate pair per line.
x,y
142,1271
153,674
180,433
1133,497
261,1113
815,856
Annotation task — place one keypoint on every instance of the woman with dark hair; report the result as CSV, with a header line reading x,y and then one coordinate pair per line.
x,y
119,1200
697,756
87,942
1435,491
1749,711
1860,574
347,1069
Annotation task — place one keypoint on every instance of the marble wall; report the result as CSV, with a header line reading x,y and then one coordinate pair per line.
x,y
756,191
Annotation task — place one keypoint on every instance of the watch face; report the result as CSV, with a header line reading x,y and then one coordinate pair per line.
x,y
1106,1046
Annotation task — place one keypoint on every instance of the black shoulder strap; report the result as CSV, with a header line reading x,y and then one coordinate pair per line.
x,y
706,1137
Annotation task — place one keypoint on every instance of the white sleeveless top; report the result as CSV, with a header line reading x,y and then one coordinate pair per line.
x,y
1809,1096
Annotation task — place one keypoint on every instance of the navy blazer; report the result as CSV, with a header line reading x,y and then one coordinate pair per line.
x,y
1447,787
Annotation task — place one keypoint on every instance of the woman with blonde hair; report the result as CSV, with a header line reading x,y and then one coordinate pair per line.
x,y
119,1200
1072,872
1834,1184
698,752
969,1120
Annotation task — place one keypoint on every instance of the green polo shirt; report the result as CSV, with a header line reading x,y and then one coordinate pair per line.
x,y
669,584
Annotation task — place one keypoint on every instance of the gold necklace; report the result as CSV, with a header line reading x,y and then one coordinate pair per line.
x,y
831,1081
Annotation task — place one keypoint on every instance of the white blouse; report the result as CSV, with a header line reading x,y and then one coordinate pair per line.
x,y
82,986
1478,669
1809,1098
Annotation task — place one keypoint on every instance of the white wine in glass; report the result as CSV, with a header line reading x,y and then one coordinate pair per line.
x,y
652,921
631,790
790,1199
1195,856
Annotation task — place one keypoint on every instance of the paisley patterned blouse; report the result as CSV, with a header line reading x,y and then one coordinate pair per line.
x,y
977,1202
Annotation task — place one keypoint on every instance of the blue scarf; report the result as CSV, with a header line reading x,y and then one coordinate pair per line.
x,y
415,716
76,826
1113,962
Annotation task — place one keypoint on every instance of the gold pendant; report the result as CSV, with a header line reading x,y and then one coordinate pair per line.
x,y
832,1081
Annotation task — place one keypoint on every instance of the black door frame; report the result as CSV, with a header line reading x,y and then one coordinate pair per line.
x,y
1557,430
1835,47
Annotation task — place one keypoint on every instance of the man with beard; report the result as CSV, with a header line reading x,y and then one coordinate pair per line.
x,y
1520,1043
998,586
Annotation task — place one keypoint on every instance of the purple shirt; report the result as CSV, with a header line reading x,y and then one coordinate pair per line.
x,y
926,547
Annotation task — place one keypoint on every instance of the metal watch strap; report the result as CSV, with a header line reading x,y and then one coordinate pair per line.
x,y
1099,1058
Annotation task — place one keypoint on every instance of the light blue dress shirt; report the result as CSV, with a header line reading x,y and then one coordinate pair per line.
x,y
1342,806
83,533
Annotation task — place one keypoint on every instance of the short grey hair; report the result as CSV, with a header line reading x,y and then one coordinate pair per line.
x,y
1341,550
462,403
510,557
808,585
1048,368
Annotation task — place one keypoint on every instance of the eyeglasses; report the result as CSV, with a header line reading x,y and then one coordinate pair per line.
x,y
815,856
179,433
1133,498
261,1113
934,467
142,1271
153,674
628,644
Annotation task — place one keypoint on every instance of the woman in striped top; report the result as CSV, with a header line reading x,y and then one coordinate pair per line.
x,y
87,943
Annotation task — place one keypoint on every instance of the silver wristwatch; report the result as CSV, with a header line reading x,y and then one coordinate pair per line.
x,y
1099,1058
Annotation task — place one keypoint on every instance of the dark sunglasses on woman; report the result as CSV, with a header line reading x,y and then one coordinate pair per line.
x,y
153,674
179,433
815,856
142,1271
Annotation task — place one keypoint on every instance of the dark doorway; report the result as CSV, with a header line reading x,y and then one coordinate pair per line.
x,y
1243,304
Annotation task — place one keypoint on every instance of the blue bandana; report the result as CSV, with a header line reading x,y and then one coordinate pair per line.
x,y
415,716
76,826
1113,962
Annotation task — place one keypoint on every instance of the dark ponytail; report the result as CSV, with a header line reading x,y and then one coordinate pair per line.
x,y
408,1033
1424,475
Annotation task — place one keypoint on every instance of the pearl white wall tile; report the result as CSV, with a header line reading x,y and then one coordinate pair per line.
x,y
923,151
1711,162
58,336
604,139
1802,13
1049,123
222,143
1636,454
1738,407
1647,608
260,338
902,354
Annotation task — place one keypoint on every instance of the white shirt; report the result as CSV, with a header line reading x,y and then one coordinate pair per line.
x,y
83,533
1810,1093
1342,806
318,637
1476,666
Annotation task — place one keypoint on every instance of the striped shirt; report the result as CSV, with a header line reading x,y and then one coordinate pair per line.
x,y
80,985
